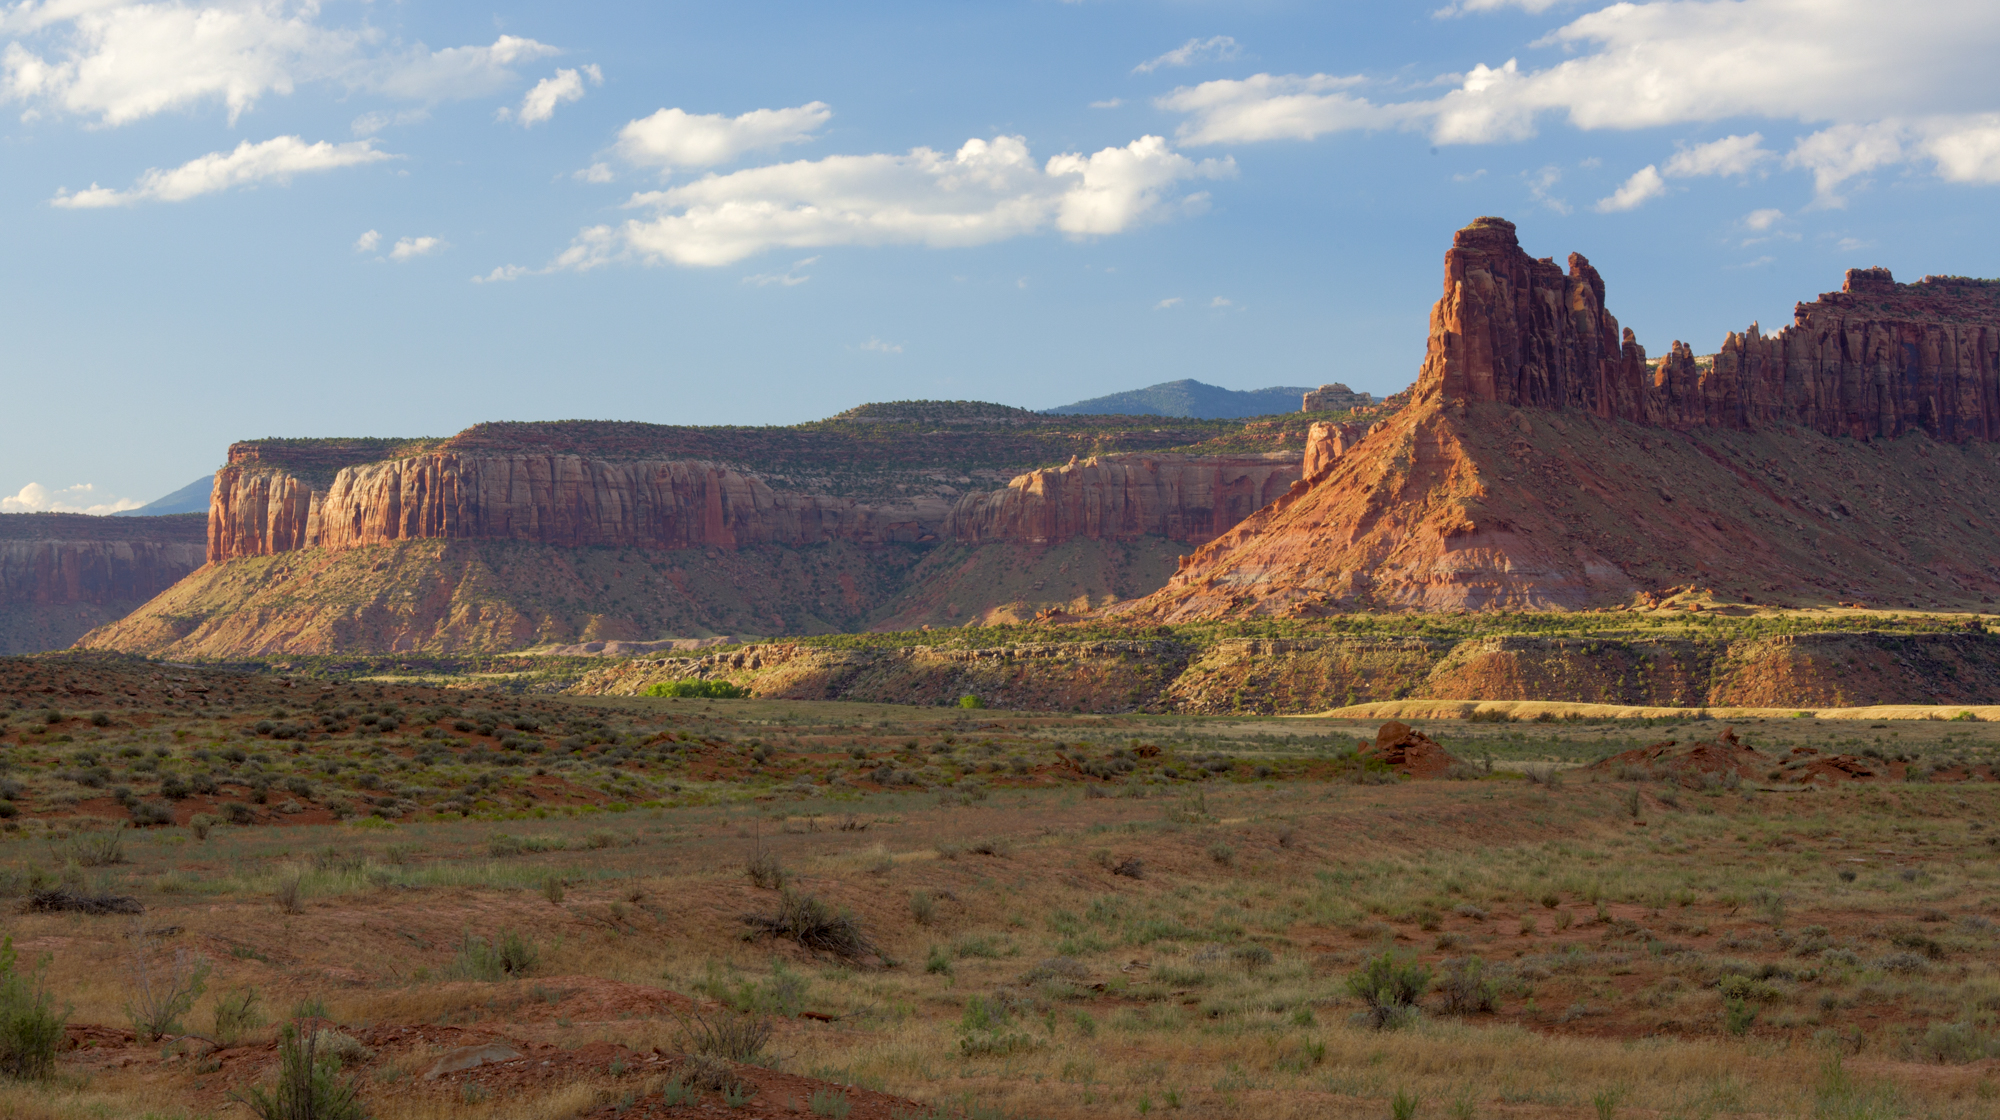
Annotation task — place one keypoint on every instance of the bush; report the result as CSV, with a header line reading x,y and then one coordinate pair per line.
x,y
815,926
1389,988
737,1037
764,870
508,956
971,702
101,850
309,1084
236,1014
290,893
162,991
1466,988
699,690
150,813
30,1027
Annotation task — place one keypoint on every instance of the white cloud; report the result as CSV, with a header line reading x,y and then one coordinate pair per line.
x,y
1645,183
36,498
455,73
675,138
1533,7
120,61
1761,220
1542,185
410,248
503,274
1222,301
540,102
1171,301
876,345
789,278
1731,155
986,191
1108,103
1216,48
1471,178
596,173
1886,83
1267,107
366,242
274,160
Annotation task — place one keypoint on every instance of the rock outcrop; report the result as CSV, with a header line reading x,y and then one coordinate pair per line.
x,y
1335,397
565,500
1544,462
63,573
1125,497
1876,359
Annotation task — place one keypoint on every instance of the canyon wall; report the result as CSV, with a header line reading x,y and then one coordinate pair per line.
x,y
1875,359
63,573
1180,497
575,501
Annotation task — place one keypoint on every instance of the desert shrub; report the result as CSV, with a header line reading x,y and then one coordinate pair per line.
x,y
815,926
1222,853
699,690
500,845
764,870
923,907
101,849
506,956
552,889
1957,1043
971,702
309,1084
30,1026
163,991
1389,988
290,893
1745,988
736,1036
1465,987
236,1014
830,1102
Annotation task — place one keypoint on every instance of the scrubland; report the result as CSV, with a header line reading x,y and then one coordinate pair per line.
x,y
880,911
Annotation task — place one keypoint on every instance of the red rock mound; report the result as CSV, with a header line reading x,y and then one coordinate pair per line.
x,y
1410,752
1725,756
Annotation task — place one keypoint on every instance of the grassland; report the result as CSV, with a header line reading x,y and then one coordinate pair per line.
x,y
1054,914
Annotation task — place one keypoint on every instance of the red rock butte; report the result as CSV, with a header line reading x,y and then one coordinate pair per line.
x,y
1545,462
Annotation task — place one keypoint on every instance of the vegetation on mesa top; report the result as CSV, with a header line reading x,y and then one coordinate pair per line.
x,y
840,454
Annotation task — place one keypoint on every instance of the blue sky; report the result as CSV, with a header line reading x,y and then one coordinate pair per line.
x,y
227,220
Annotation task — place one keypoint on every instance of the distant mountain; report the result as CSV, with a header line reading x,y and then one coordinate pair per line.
x,y
1191,400
192,498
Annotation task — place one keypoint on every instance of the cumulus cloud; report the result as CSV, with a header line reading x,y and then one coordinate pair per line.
x,y
1280,107
877,346
1170,301
599,172
1645,183
120,61
410,248
81,498
1731,155
1217,48
675,138
366,242
274,160
1884,87
988,190
540,102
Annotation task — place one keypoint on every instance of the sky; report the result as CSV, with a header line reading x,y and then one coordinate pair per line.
x,y
235,219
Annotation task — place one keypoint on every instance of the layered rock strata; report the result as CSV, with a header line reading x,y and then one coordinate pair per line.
x,y
574,501
1545,463
63,573
1875,359
1179,497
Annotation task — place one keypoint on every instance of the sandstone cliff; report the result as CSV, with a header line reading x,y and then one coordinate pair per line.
x,y
61,574
1875,359
1179,497
1545,463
